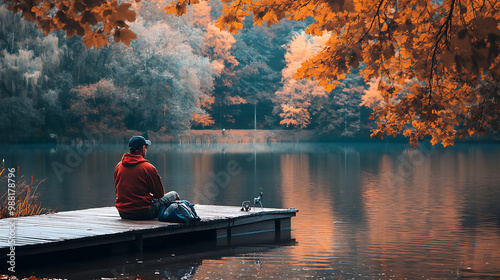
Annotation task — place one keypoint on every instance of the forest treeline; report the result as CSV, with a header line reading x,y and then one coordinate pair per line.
x,y
181,73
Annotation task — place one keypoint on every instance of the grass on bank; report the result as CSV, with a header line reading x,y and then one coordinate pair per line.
x,y
27,200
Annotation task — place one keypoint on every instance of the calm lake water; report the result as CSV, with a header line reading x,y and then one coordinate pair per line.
x,y
366,211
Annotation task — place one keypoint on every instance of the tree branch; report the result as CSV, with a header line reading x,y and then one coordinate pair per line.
x,y
373,19
442,33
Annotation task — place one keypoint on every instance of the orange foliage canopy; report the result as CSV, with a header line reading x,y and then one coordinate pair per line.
x,y
96,20
437,65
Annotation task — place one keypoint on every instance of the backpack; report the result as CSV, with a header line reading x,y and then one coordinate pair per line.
x,y
179,211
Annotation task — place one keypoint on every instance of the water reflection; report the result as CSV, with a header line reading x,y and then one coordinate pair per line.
x,y
366,210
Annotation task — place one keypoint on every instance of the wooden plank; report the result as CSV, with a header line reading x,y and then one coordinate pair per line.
x,y
98,226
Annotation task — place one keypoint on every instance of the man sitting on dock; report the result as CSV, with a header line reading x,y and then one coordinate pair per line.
x,y
138,187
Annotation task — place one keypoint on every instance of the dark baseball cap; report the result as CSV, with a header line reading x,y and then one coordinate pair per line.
x,y
138,141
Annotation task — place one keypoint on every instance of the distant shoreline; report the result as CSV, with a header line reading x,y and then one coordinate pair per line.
x,y
250,136
235,136
230,136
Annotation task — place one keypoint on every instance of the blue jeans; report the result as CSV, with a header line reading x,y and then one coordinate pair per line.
x,y
156,204
154,209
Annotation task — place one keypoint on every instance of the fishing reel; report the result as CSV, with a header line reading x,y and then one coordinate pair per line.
x,y
245,206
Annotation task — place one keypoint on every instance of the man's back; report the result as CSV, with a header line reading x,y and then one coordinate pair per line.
x,y
137,182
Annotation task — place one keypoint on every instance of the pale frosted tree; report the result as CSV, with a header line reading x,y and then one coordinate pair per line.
x,y
164,70
200,16
20,72
372,96
294,98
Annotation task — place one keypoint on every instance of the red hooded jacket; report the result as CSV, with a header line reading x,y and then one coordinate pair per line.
x,y
137,182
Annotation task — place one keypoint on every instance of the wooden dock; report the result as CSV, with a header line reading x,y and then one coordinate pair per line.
x,y
102,228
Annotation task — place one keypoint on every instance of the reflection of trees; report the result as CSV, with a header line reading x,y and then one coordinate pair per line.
x,y
481,205
430,203
324,186
347,193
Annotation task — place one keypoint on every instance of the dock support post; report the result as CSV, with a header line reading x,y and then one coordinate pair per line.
x,y
283,229
228,235
224,235
138,243
277,230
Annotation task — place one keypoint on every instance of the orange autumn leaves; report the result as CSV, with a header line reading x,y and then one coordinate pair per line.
x,y
436,64
95,20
